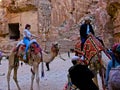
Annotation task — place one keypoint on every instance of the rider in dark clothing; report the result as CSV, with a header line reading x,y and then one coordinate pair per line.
x,y
81,77
85,30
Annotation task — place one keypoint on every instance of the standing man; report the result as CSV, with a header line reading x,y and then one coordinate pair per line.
x,y
85,30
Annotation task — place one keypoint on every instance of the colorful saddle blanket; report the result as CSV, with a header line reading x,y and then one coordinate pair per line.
x,y
34,47
91,47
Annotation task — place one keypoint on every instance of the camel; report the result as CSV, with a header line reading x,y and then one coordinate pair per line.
x,y
92,50
35,57
49,57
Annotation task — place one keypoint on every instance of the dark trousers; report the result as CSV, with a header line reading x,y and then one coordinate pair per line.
x,y
82,43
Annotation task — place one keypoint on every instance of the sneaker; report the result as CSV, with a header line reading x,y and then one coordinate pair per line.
x,y
24,57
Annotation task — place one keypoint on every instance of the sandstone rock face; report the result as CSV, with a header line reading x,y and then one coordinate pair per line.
x,y
113,9
69,14
65,20
16,6
60,20
3,22
102,23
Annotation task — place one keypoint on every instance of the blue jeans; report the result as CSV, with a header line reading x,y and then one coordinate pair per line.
x,y
26,41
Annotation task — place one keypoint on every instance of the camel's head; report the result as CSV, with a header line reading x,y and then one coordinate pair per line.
x,y
55,47
55,44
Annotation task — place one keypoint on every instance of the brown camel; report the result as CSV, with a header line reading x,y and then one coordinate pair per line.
x,y
35,56
47,58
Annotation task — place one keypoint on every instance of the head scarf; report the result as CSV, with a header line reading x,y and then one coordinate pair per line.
x,y
114,47
118,48
75,58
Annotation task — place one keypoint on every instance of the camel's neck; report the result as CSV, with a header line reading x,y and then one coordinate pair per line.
x,y
54,54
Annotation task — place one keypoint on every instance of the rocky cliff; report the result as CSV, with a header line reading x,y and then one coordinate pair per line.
x,y
59,20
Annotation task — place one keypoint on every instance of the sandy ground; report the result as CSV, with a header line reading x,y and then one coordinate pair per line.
x,y
54,79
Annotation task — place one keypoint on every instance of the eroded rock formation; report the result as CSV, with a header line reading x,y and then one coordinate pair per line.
x,y
59,20
113,9
17,6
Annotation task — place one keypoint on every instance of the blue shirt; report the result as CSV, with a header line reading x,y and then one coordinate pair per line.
x,y
88,29
28,34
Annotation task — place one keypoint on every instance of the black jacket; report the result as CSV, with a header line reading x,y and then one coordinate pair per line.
x,y
81,76
83,30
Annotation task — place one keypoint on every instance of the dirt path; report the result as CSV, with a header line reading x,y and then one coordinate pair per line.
x,y
53,80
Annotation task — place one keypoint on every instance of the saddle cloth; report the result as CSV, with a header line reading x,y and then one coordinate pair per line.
x,y
91,47
33,46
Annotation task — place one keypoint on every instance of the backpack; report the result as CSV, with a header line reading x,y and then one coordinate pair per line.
x,y
114,79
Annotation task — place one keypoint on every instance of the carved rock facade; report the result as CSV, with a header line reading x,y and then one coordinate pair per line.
x,y
59,20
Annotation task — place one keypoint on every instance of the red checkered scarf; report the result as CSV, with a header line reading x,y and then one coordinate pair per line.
x,y
91,47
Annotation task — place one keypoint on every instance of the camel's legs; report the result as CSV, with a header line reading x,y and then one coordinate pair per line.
x,y
8,76
32,77
15,77
47,65
37,74
35,71
95,80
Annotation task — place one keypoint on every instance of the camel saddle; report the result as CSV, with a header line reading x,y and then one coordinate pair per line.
x,y
19,50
